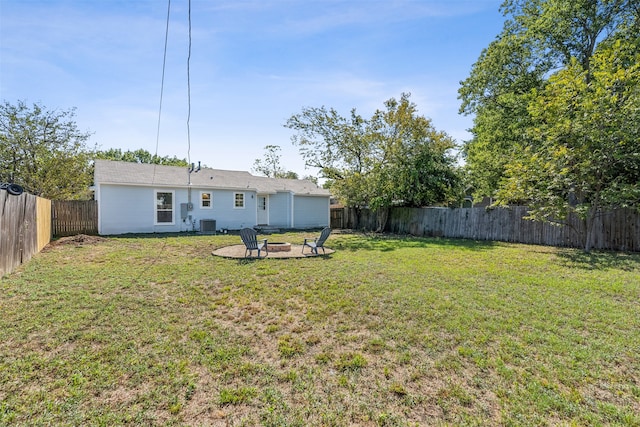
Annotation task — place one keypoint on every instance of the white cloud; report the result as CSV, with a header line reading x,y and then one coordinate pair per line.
x,y
254,64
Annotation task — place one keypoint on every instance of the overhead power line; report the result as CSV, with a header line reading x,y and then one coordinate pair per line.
x,y
164,66
189,92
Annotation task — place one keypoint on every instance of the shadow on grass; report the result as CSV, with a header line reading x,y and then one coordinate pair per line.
x,y
599,260
251,260
155,235
356,241
392,242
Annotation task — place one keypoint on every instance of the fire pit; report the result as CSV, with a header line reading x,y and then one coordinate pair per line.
x,y
279,247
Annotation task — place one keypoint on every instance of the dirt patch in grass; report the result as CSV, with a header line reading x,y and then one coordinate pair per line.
x,y
200,403
78,240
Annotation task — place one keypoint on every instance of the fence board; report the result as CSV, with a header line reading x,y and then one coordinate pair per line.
x,y
337,218
29,229
43,219
9,236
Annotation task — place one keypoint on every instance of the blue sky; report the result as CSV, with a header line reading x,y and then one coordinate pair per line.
x,y
253,64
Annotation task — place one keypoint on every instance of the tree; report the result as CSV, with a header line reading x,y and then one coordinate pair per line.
x,y
395,158
584,151
541,37
139,156
552,117
43,151
415,165
311,178
338,147
270,165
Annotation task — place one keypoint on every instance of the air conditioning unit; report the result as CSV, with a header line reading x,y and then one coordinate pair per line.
x,y
208,226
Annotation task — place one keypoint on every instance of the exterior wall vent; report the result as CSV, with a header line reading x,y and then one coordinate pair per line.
x,y
208,226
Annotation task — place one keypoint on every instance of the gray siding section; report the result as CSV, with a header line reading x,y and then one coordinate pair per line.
x,y
310,212
280,210
124,209
223,211
130,209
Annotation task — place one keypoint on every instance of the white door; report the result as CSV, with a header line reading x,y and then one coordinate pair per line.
x,y
263,210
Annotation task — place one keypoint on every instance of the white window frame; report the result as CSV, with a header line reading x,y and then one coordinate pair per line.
x,y
202,206
235,198
173,207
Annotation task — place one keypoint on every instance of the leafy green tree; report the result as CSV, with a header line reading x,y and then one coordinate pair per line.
x,y
584,150
553,97
339,147
291,175
541,37
43,151
139,156
415,166
395,158
311,178
270,166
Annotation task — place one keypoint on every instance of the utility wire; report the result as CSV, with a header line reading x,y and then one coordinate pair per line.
x,y
164,65
189,92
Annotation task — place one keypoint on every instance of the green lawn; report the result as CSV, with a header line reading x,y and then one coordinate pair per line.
x,y
386,331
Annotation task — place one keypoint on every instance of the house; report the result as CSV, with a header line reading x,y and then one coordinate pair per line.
x,y
146,198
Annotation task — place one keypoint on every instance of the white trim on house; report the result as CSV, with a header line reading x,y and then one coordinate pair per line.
x,y
293,202
262,210
210,193
96,196
173,207
235,200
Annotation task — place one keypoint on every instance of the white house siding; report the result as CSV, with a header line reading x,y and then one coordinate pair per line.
x,y
126,209
310,212
280,210
131,209
224,212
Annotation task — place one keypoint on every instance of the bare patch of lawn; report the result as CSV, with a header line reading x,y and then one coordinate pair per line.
x,y
386,331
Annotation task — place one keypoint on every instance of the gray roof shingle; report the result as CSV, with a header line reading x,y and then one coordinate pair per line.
x,y
129,173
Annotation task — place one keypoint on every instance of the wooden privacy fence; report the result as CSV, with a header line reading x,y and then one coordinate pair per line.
x,y
615,230
25,228
337,218
71,217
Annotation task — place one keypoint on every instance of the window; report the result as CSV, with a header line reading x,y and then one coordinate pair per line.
x,y
238,200
206,200
164,207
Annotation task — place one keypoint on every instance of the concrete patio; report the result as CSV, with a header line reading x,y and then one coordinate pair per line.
x,y
238,251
